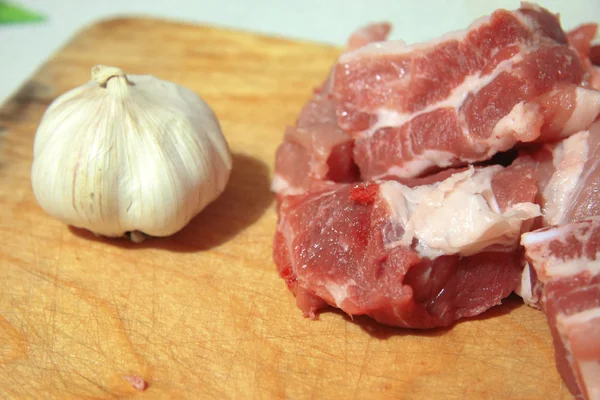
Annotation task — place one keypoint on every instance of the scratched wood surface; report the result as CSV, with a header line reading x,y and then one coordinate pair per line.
x,y
203,314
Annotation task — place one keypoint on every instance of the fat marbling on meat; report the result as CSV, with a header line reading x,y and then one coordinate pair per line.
x,y
568,176
568,180
418,254
561,274
316,149
511,77
566,260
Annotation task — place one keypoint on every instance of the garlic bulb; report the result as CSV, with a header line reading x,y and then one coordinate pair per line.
x,y
128,155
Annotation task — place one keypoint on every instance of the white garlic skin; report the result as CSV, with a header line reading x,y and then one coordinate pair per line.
x,y
129,153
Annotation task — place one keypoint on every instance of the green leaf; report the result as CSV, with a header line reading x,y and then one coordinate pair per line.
x,y
10,14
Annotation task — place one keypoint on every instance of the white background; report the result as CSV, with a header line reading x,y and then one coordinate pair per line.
x,y
24,47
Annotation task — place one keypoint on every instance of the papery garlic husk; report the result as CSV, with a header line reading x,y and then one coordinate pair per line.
x,y
125,154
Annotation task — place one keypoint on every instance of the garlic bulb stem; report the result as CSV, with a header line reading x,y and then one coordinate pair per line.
x,y
102,73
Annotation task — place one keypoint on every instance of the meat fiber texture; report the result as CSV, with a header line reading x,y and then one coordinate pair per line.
x,y
566,261
410,176
511,77
562,271
385,249
316,148
568,181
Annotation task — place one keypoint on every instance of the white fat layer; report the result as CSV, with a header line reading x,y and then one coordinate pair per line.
x,y
339,292
471,85
589,370
569,158
583,317
459,215
547,265
587,108
415,167
519,124
560,268
525,289
280,185
537,237
398,47
557,233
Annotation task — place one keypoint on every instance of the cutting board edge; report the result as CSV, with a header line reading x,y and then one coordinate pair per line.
x,y
124,17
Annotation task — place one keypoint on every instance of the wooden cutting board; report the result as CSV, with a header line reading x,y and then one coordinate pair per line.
x,y
203,314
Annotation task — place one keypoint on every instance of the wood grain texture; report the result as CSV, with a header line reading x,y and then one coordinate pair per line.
x,y
203,314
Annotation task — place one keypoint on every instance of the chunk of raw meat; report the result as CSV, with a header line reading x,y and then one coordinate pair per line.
x,y
316,148
568,180
508,78
581,39
568,176
418,255
369,34
566,260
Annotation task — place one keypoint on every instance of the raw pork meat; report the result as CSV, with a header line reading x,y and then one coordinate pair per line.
x,y
369,34
557,275
316,148
581,39
568,176
509,78
568,181
390,202
566,260
419,255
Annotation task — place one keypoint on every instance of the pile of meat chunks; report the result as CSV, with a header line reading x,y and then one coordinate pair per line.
x,y
423,184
